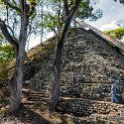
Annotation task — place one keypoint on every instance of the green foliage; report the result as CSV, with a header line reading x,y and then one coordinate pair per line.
x,y
7,53
86,11
0,1
32,4
54,19
117,33
1,38
51,22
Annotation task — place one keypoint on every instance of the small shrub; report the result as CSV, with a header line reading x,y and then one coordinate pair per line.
x,y
117,33
7,53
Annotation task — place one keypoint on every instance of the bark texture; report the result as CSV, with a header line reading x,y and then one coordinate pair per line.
x,y
17,82
55,92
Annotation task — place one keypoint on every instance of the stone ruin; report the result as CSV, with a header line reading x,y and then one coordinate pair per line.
x,y
90,64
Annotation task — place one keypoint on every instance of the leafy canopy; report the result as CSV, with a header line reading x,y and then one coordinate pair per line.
x,y
55,16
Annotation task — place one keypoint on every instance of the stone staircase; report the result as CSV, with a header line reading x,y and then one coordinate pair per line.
x,y
88,102
36,100
88,110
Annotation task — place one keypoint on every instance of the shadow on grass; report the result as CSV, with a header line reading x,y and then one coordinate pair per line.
x,y
23,115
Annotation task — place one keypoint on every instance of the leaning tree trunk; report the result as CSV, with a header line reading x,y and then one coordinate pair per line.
x,y
17,82
55,92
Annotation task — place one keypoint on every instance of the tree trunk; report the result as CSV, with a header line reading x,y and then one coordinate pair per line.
x,y
17,82
55,92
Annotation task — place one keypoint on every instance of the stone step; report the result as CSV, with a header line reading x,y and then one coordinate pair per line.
x,y
85,107
34,93
99,97
92,86
28,102
37,92
33,104
37,95
36,99
90,120
95,91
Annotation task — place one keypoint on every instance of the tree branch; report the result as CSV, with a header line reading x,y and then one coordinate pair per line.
x,y
7,3
12,31
7,35
66,7
30,28
68,21
32,8
73,9
14,2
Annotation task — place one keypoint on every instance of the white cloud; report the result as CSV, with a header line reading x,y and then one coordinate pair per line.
x,y
111,11
110,26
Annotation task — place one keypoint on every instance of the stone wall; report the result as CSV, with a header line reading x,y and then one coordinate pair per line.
x,y
94,91
80,107
90,65
88,58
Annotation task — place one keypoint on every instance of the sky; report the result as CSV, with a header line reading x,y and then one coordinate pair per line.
x,y
113,14
113,17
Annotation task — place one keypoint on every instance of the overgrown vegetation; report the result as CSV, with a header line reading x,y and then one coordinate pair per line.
x,y
7,53
117,33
